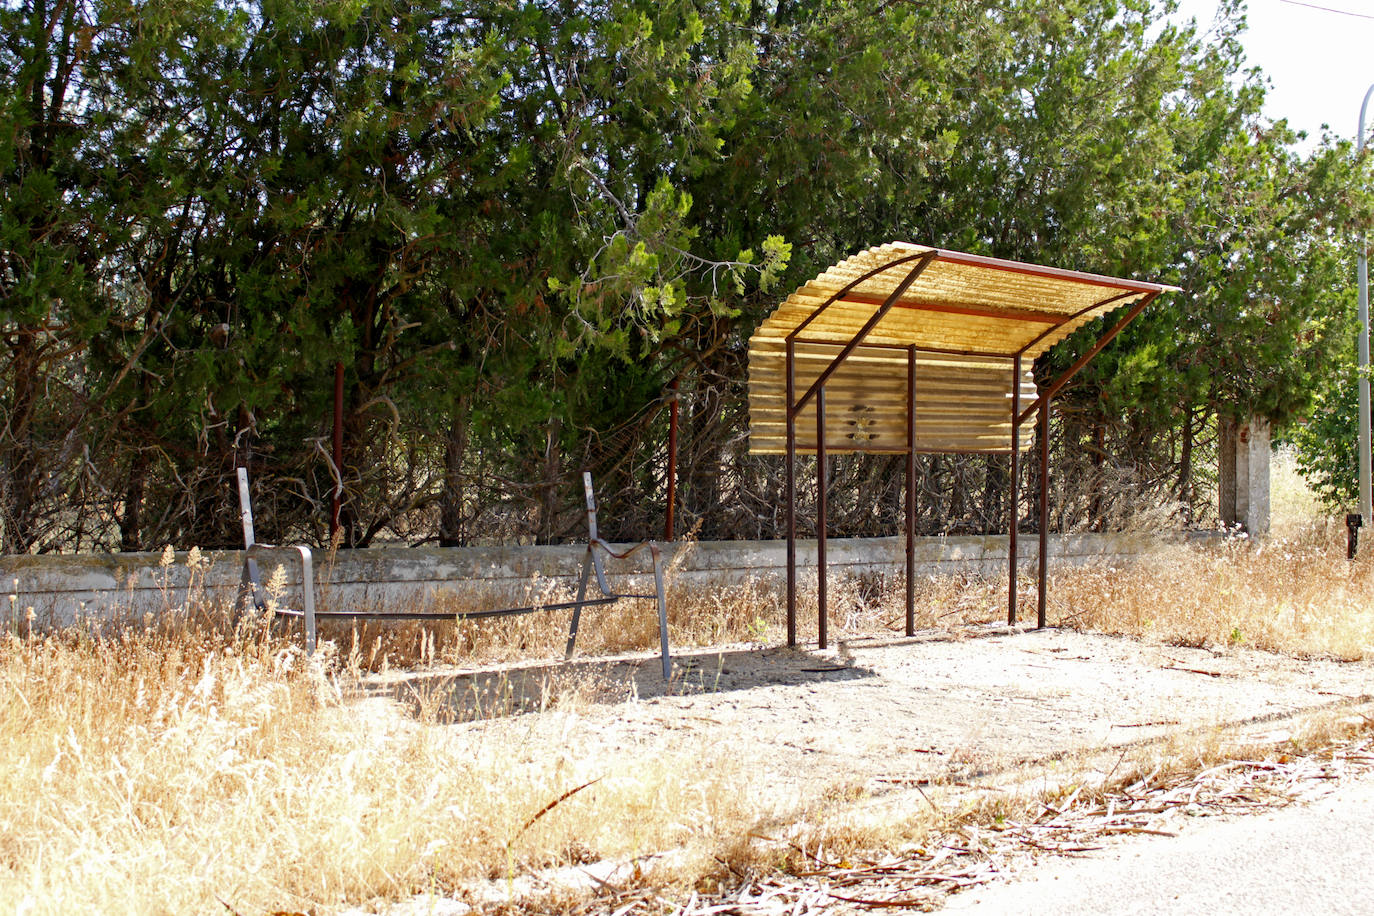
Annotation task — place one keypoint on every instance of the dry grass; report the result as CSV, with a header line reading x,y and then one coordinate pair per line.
x,y
1298,596
194,770
1293,506
1293,592
155,775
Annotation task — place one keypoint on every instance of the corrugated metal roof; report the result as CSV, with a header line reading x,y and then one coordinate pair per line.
x,y
967,316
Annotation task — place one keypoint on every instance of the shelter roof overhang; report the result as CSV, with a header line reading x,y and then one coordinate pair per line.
x,y
908,334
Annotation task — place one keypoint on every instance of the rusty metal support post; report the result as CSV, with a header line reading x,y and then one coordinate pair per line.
x,y
1015,487
911,492
791,487
336,503
823,617
1044,510
671,473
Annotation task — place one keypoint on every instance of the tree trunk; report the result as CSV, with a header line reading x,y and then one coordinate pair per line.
x,y
130,522
934,505
1095,520
1185,467
996,481
18,451
451,503
703,482
958,495
548,502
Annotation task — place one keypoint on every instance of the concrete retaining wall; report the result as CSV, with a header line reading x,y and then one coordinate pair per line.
x,y
64,589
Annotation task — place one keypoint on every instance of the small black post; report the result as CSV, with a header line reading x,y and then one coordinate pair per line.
x,y
1353,523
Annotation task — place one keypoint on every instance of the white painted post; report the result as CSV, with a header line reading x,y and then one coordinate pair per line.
x,y
246,510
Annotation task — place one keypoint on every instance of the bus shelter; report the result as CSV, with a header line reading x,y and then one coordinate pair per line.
x,y
903,349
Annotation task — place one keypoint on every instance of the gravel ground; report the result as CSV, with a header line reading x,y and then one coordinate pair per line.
x,y
878,717
885,712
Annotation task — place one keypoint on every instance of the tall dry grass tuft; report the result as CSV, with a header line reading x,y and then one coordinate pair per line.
x,y
1297,595
155,774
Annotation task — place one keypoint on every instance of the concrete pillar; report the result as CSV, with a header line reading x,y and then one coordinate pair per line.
x,y
1243,481
1256,514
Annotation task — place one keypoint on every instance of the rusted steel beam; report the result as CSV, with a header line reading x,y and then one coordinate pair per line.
x,y
922,263
821,488
1079,314
854,284
791,487
1053,388
1015,488
911,492
1044,512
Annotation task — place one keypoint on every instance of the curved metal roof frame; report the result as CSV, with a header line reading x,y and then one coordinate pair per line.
x,y
920,349
968,319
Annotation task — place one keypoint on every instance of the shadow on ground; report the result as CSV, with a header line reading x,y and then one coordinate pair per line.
x,y
464,696
509,690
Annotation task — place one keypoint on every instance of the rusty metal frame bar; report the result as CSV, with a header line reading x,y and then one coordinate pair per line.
x,y
1015,486
854,284
1042,593
1077,315
791,488
1042,404
1053,388
822,486
922,262
794,406
910,515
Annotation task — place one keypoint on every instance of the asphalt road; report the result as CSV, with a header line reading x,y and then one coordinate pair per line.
x,y
1312,859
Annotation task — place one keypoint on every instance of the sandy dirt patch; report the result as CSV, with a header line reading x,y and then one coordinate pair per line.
x,y
877,714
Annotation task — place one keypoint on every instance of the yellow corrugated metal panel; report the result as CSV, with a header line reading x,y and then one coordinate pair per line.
x,y
968,316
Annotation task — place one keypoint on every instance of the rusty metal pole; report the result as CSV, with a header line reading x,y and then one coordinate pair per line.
x,y
911,491
672,464
1044,510
1015,487
1362,350
336,504
822,626
791,486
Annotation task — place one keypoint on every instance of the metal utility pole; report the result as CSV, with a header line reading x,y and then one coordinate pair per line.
x,y
1365,495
